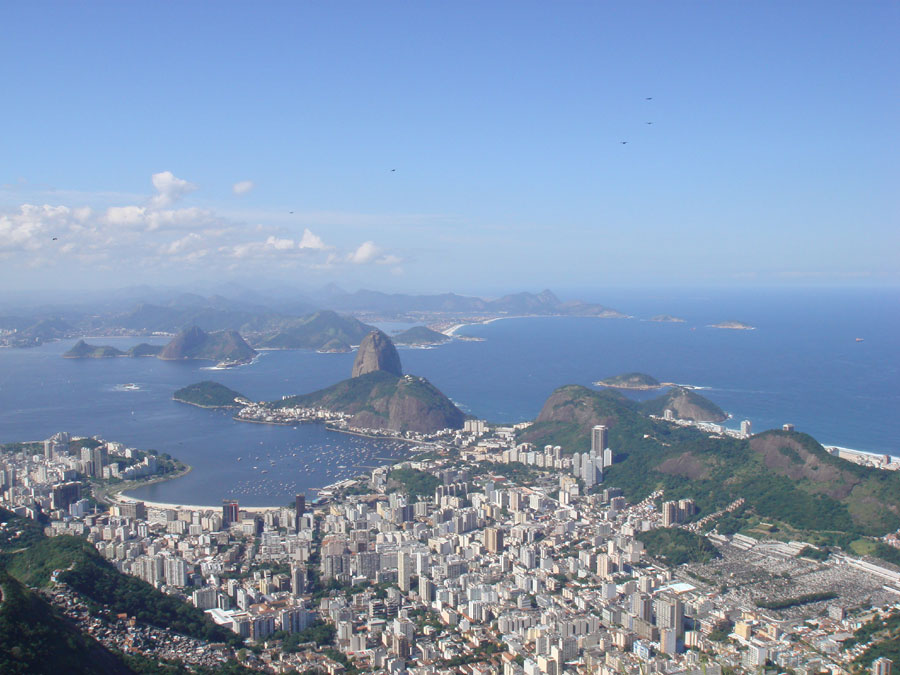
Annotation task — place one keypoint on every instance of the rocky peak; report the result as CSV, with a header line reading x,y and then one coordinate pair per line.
x,y
376,352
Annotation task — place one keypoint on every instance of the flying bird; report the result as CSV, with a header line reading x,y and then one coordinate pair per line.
x,y
649,98
393,169
55,238
290,212
624,142
649,122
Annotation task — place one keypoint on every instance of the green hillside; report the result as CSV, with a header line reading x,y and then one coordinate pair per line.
x,y
383,400
678,546
209,394
686,404
631,381
785,476
35,638
194,343
82,350
325,330
144,349
419,335
86,572
17,532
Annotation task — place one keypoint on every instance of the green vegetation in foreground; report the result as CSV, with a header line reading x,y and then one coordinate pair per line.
x,y
36,638
86,572
631,381
413,482
209,394
678,546
787,603
786,477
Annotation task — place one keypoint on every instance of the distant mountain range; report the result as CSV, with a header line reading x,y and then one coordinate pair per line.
x,y
278,322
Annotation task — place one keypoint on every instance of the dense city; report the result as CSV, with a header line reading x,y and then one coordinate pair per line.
x,y
476,554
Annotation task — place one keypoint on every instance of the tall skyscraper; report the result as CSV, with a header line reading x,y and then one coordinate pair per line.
x,y
493,539
230,512
300,506
298,580
599,439
746,428
404,571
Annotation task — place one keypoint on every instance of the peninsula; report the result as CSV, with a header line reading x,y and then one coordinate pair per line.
x,y
377,397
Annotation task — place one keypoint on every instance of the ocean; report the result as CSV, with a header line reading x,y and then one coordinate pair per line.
x,y
802,364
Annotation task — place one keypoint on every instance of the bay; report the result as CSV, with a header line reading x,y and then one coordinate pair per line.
x,y
802,365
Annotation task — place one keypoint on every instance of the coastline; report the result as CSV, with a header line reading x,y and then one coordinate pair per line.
x,y
114,495
195,507
455,327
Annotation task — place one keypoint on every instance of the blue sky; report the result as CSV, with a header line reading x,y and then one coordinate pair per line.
x,y
172,140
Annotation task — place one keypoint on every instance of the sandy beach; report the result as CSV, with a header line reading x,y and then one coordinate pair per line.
x,y
194,507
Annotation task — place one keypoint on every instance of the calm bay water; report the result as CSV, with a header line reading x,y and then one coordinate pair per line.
x,y
802,365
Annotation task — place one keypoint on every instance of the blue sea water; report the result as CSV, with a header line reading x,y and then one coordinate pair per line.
x,y
801,365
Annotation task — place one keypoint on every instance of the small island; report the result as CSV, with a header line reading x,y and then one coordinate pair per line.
x,y
83,350
420,336
733,325
209,394
640,381
666,318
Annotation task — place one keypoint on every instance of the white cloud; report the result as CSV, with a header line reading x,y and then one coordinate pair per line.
x,y
149,235
169,188
280,244
310,240
242,187
366,253
125,215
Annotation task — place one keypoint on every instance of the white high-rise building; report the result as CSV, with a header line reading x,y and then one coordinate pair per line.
x,y
746,429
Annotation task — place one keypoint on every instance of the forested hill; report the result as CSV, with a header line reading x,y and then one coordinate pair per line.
x,y
786,476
